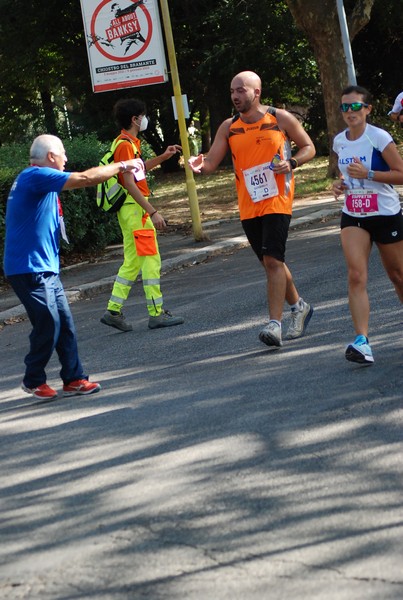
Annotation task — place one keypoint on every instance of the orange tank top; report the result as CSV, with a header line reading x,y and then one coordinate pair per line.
x,y
253,146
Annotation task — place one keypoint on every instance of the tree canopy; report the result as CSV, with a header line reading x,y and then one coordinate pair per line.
x,y
294,45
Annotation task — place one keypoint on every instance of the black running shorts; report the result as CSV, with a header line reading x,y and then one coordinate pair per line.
x,y
268,235
383,229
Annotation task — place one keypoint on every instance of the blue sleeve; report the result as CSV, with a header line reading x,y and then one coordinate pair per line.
x,y
46,180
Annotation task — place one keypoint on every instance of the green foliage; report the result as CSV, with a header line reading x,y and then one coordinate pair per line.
x,y
46,84
232,37
6,181
228,36
7,176
13,158
83,151
88,228
377,49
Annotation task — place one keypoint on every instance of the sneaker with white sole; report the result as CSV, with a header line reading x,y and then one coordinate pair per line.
x,y
360,351
271,334
299,321
164,319
116,320
43,391
80,387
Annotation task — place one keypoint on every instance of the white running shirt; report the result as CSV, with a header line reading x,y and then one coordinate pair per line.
x,y
397,106
368,148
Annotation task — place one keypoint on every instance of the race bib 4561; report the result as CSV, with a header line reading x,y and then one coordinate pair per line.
x,y
260,182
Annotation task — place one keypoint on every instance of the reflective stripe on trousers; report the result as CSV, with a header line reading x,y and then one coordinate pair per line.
x,y
130,219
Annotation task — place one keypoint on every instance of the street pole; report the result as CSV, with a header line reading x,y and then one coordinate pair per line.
x,y
352,80
190,182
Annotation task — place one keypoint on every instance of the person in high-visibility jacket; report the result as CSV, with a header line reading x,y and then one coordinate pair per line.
x,y
138,220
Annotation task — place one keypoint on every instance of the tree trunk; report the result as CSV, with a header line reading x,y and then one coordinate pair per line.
x,y
48,109
205,129
319,20
219,107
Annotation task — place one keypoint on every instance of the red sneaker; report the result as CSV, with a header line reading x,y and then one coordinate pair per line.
x,y
42,391
80,387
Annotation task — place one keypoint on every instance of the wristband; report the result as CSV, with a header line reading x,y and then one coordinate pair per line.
x,y
153,213
123,167
293,163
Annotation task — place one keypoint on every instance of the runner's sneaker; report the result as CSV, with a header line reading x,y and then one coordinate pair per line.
x,y
80,387
42,391
360,351
299,321
165,319
271,334
118,321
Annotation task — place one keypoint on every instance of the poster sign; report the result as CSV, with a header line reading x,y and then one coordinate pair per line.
x,y
124,43
184,104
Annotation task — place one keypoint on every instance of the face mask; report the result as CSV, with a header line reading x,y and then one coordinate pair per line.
x,y
143,123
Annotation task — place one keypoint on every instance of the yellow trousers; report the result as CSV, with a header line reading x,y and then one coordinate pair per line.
x,y
131,218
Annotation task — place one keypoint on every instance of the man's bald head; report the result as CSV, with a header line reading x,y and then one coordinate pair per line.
x,y
247,79
246,89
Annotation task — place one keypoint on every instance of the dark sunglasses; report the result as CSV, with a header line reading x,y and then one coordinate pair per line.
x,y
355,106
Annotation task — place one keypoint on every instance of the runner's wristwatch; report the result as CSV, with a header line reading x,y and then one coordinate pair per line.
x,y
293,163
370,174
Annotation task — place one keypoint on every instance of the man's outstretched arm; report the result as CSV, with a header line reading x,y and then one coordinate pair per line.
x,y
208,164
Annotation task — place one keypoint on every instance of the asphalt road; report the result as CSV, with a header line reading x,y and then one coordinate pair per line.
x,y
211,467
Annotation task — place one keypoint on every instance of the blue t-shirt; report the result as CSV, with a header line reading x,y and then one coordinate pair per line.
x,y
32,222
